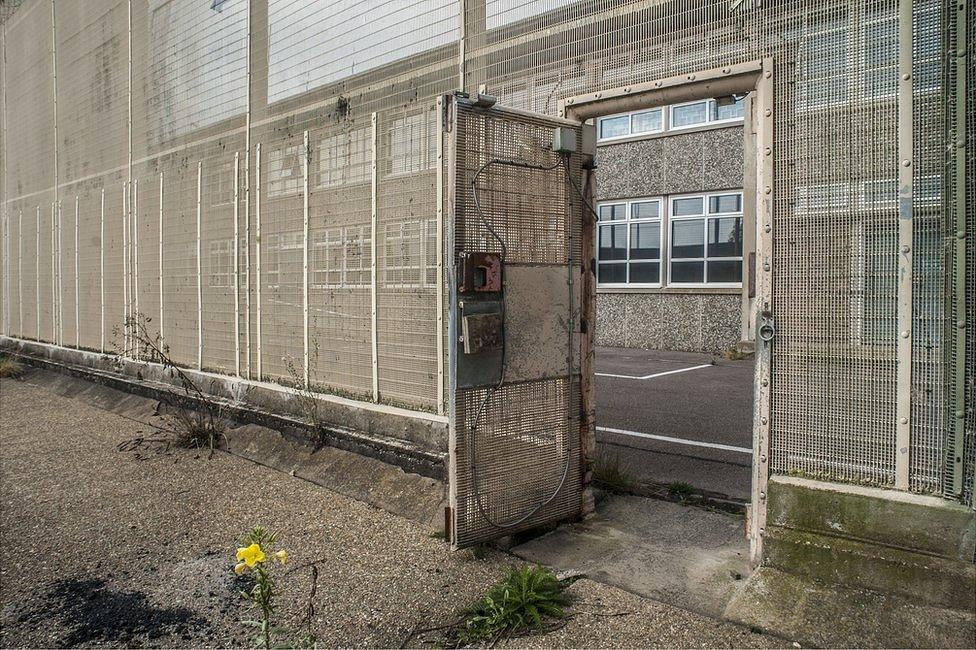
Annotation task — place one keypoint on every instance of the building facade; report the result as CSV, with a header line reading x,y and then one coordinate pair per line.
x,y
670,256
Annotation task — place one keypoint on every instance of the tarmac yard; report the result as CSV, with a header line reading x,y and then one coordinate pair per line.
x,y
677,417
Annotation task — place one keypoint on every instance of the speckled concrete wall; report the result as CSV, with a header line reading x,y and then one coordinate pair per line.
x,y
668,321
676,164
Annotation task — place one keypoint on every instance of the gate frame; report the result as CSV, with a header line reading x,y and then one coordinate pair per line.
x,y
755,77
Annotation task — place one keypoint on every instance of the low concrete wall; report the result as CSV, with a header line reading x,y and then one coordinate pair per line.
x,y
669,321
413,440
917,546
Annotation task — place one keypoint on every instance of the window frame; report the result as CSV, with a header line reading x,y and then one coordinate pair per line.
x,y
705,217
709,107
628,219
630,124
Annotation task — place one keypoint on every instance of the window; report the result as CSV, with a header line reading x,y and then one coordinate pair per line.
x,y
629,243
413,143
879,75
285,173
341,257
345,159
222,263
707,111
639,123
824,66
706,240
410,254
680,116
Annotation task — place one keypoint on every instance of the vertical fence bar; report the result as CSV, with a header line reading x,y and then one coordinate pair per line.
x,y
125,269
959,329
440,253
305,156
257,255
37,277
247,196
199,267
905,235
763,119
54,273
77,276
237,255
374,298
60,333
55,213
161,310
101,269
135,251
20,270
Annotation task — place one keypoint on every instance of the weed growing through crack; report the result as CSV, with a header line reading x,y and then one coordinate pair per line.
x,y
306,402
10,368
611,475
201,426
681,490
516,605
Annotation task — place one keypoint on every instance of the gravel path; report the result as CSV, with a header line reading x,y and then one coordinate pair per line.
x,y
99,548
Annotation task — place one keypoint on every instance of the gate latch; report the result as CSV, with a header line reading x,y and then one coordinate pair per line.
x,y
767,327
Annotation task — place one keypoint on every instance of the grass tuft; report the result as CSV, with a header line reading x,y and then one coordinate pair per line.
x,y
517,604
196,429
681,489
611,475
10,368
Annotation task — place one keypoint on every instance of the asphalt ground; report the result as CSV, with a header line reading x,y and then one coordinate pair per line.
x,y
103,545
702,401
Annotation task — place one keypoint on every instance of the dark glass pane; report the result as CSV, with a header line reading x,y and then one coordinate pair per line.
x,y
687,271
613,242
647,122
725,203
645,241
612,127
609,273
688,207
645,210
725,271
687,238
649,272
689,114
614,212
725,237
730,111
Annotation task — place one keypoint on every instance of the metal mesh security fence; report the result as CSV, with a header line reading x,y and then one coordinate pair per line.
x,y
258,178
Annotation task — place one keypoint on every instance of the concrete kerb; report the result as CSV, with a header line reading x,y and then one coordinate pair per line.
x,y
415,450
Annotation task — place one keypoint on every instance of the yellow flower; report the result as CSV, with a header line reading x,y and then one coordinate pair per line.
x,y
250,555
240,568
282,556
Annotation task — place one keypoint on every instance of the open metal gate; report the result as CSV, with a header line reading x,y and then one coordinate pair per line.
x,y
518,232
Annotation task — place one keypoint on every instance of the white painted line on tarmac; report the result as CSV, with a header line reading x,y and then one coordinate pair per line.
x,y
656,374
677,441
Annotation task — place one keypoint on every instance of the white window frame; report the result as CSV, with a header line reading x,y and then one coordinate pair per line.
x,y
626,222
844,27
709,120
705,216
344,159
630,124
423,274
410,154
341,240
221,263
